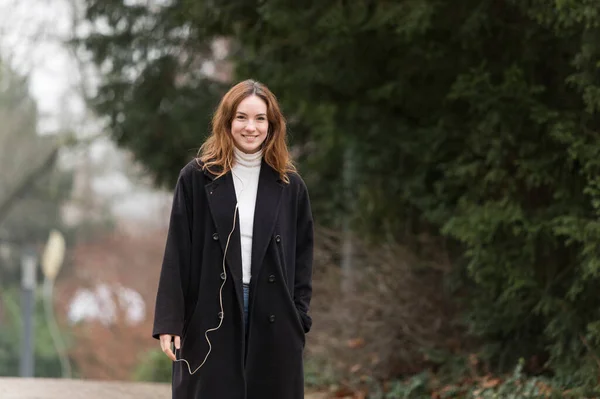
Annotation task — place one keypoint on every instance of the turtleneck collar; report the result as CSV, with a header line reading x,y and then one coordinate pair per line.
x,y
248,160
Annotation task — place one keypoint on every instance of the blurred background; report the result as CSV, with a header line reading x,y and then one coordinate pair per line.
x,y
451,150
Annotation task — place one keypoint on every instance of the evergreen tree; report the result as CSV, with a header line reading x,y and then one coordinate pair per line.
x,y
473,120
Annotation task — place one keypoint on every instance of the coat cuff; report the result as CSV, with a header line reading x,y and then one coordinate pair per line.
x,y
171,330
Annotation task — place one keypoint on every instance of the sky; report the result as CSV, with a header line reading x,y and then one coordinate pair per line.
x,y
31,41
32,36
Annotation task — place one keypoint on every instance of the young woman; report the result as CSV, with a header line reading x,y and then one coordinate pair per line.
x,y
235,285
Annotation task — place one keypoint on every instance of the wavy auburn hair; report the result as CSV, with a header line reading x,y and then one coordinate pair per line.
x,y
216,154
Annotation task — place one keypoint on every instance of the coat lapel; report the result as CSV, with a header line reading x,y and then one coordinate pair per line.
x,y
268,199
222,199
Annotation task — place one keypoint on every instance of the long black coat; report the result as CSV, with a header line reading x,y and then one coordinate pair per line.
x,y
267,364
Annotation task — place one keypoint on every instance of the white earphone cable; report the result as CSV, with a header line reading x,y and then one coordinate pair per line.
x,y
222,313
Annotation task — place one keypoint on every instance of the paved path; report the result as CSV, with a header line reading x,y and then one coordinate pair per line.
x,y
42,388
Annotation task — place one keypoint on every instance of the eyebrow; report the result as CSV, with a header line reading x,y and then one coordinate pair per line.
x,y
243,113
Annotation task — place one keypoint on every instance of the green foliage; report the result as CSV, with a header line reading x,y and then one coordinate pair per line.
x,y
514,386
157,102
318,373
46,360
154,366
475,120
415,387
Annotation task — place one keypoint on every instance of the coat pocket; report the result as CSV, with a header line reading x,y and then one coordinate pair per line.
x,y
296,314
290,294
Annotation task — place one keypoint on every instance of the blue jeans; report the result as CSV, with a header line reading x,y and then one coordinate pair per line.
x,y
246,298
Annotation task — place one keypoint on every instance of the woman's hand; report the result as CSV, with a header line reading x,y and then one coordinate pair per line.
x,y
165,344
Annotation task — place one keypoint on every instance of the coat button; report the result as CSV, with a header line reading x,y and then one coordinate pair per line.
x,y
215,236
272,318
272,278
222,276
278,238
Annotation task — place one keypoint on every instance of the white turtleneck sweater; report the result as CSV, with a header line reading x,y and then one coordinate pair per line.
x,y
246,170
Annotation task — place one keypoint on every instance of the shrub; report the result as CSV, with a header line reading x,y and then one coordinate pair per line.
x,y
386,318
154,366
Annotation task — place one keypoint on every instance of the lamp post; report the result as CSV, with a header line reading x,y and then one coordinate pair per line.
x,y
52,261
28,275
53,256
5,252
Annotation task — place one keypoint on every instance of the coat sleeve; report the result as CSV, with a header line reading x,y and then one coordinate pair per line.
x,y
304,258
170,304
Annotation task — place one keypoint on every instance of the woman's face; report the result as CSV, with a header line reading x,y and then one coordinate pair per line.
x,y
250,124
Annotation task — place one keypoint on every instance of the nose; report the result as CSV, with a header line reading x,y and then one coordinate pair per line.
x,y
250,126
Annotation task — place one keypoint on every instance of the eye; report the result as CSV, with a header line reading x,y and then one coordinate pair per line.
x,y
240,117
262,118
